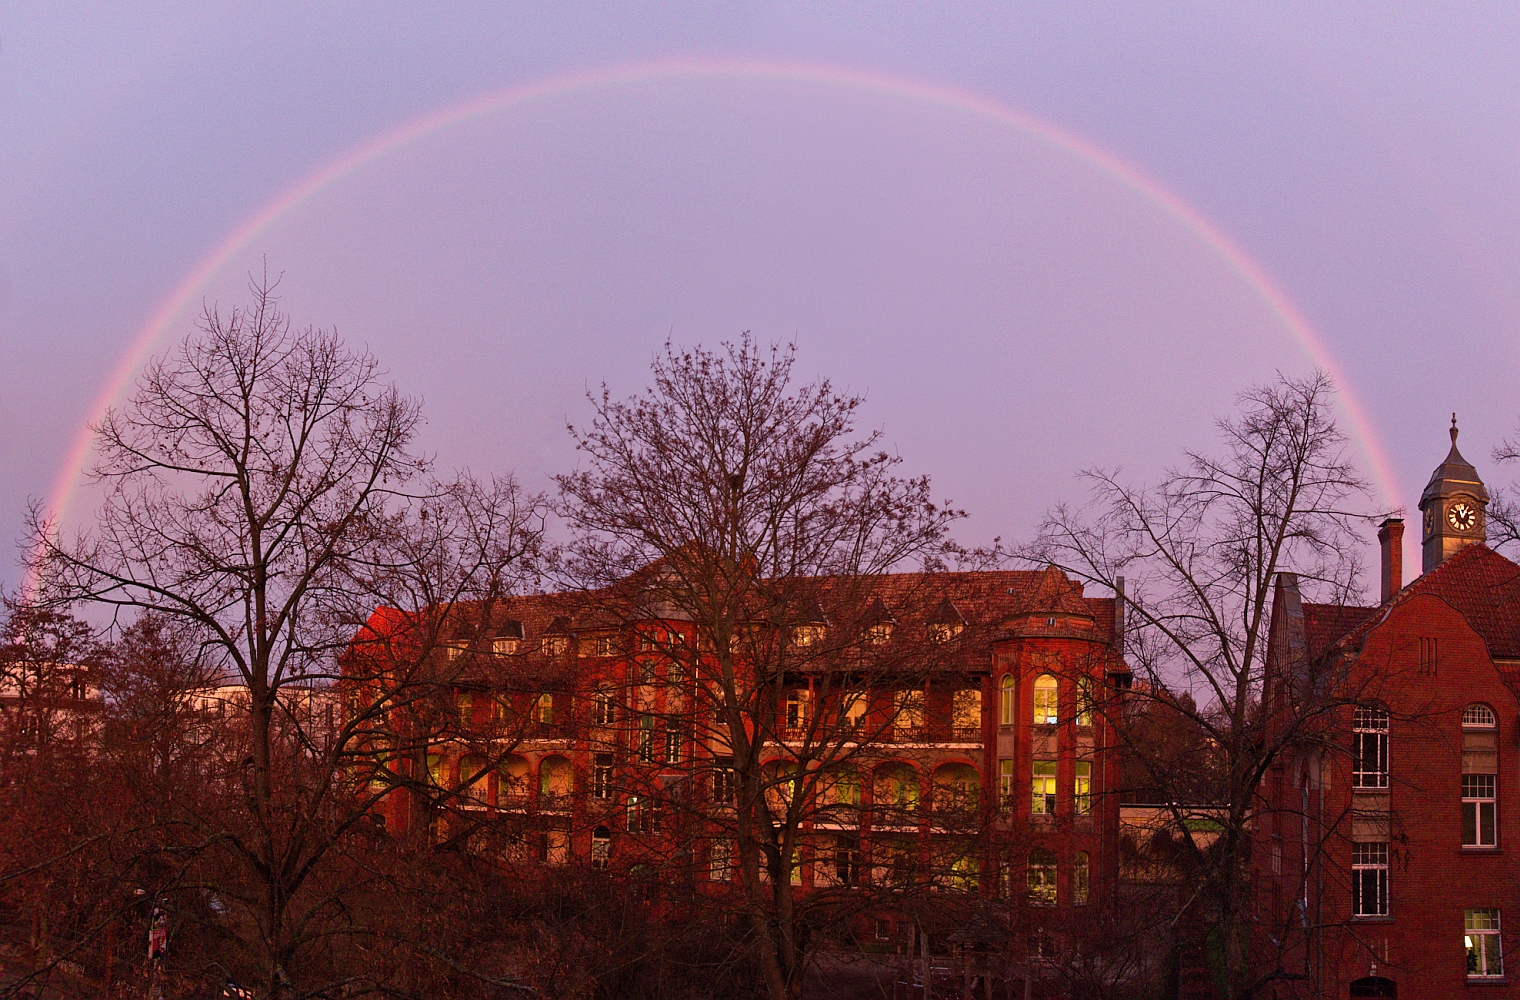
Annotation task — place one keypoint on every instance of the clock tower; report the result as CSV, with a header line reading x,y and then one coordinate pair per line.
x,y
1453,507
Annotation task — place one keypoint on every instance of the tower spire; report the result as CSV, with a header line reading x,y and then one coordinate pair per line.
x,y
1453,504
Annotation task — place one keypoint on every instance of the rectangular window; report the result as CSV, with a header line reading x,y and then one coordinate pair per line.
x,y
601,776
1481,939
847,860
1081,799
643,815
855,703
910,712
646,739
1084,701
721,867
672,742
1369,880
1043,786
723,780
966,713
1478,809
1005,784
1429,657
797,701
1369,748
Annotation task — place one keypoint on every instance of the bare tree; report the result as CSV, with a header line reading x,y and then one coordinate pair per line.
x,y
745,530
1504,509
262,495
1201,550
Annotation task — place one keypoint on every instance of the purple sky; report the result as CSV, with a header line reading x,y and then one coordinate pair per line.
x,y
1013,312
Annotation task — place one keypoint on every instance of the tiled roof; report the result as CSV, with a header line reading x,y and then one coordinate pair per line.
x,y
1326,624
1479,583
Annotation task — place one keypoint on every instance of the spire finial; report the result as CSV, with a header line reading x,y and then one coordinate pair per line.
x,y
1453,430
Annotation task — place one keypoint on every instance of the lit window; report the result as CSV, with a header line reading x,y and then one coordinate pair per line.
x,y
1042,877
457,649
555,645
1482,942
1084,701
1478,717
944,631
1047,707
1043,785
466,706
503,645
1478,808
601,776
1369,748
1006,784
966,711
1080,879
910,712
879,634
808,635
601,847
855,703
1081,799
437,770
1369,880
543,709
965,874
601,645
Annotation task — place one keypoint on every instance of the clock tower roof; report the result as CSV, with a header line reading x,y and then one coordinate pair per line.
x,y
1454,476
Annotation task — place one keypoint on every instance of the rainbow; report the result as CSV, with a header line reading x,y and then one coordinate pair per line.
x,y
143,342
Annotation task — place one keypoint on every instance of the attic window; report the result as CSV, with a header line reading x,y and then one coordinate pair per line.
x,y
555,645
944,631
602,645
457,647
808,635
879,634
1050,621
503,645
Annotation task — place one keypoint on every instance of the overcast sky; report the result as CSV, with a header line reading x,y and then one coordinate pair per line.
x,y
1013,310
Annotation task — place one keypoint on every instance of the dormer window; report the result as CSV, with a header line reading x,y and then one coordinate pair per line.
x,y
944,631
457,648
555,645
504,645
808,635
879,634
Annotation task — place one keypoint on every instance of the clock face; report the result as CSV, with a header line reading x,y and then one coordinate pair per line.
x,y
1462,516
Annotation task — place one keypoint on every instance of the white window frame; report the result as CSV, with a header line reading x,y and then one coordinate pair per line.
x,y
1483,944
1369,734
1369,880
1480,801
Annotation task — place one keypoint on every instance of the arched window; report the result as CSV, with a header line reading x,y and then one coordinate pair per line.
x,y
1079,879
466,707
604,706
438,770
1479,716
512,782
845,788
601,847
965,874
1369,751
1042,877
896,788
1008,712
1047,705
543,709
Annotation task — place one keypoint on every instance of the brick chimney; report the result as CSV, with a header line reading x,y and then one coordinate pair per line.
x,y
1391,537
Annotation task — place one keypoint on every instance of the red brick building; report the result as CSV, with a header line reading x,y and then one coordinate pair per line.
x,y
1387,846
986,771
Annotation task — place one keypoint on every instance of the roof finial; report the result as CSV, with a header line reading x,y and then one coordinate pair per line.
x,y
1453,430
